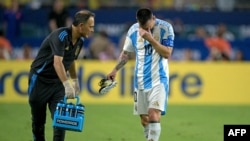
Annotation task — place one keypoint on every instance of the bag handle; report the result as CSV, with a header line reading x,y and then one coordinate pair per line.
x,y
77,99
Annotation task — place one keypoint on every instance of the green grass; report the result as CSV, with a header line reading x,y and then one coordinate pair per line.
x,y
117,123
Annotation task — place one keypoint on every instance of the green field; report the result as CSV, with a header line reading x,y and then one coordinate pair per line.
x,y
116,123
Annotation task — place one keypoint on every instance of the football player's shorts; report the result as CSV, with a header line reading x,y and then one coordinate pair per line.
x,y
155,98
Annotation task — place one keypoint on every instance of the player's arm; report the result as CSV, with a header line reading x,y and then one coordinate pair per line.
x,y
123,59
164,49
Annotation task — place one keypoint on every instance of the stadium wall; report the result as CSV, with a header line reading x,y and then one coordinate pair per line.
x,y
190,82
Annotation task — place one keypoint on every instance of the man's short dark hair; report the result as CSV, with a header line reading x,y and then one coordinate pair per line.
x,y
82,17
143,15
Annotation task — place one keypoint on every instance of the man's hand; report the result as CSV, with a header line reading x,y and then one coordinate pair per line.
x,y
76,86
145,34
111,76
69,90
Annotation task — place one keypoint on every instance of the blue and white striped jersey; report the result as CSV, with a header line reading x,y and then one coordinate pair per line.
x,y
150,69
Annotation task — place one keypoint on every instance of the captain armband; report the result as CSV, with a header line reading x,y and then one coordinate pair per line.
x,y
168,42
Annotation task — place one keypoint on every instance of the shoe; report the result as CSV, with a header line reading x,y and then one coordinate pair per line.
x,y
106,85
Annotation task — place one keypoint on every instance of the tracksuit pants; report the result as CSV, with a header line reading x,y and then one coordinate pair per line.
x,y
44,92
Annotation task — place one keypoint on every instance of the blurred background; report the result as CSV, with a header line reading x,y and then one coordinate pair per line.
x,y
212,45
205,30
209,67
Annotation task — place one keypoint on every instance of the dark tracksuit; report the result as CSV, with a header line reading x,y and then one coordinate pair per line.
x,y
45,86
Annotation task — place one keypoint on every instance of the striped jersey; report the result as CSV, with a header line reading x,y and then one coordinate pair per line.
x,y
150,69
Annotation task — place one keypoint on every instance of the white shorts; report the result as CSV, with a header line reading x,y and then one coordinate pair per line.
x,y
155,98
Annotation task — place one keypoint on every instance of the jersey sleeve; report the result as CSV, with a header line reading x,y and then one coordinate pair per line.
x,y
128,46
168,37
58,43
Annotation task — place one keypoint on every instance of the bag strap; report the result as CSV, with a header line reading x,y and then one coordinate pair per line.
x,y
77,99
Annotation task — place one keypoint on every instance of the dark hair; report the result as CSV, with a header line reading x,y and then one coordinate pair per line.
x,y
82,17
143,15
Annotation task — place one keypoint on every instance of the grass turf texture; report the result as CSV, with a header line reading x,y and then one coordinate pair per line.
x,y
117,123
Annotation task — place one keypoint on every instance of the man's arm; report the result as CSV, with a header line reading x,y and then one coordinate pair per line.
x,y
163,50
123,59
73,76
72,70
60,70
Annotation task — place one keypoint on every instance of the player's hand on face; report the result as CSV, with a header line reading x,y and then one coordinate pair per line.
x,y
76,86
69,90
145,34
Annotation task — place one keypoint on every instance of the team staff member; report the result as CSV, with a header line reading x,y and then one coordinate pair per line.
x,y
48,81
152,40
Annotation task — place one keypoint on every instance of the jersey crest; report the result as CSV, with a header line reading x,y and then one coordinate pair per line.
x,y
77,50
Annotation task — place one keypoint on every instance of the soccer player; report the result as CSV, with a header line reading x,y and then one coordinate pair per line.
x,y
152,40
48,81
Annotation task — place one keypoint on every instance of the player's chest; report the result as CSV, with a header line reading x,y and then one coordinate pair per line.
x,y
143,47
